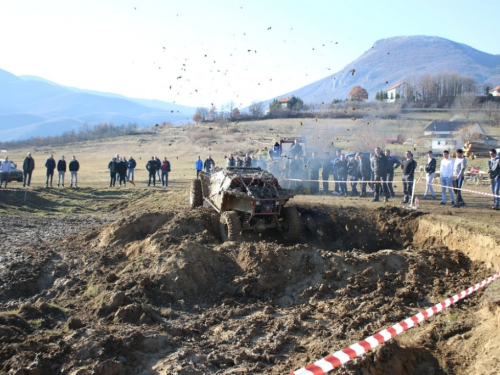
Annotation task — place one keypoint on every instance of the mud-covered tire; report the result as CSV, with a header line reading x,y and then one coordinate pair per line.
x,y
290,224
195,194
230,226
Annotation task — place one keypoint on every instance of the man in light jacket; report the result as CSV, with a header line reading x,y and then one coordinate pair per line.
x,y
446,175
5,170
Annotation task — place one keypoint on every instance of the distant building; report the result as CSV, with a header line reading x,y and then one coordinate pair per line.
x,y
448,135
284,101
495,91
398,91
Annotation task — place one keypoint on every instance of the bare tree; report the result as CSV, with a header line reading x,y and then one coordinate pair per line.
x,y
256,109
464,104
200,115
490,112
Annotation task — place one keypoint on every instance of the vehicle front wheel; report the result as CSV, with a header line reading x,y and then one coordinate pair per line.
x,y
195,194
290,224
230,226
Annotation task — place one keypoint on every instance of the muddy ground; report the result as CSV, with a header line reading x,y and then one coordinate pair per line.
x,y
157,293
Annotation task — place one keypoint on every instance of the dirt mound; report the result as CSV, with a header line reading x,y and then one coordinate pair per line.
x,y
158,292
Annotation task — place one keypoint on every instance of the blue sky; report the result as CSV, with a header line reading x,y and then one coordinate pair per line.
x,y
201,52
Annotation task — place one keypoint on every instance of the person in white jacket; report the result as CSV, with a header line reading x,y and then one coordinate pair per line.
x,y
446,175
5,170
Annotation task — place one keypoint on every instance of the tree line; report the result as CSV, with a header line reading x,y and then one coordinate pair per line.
x,y
85,132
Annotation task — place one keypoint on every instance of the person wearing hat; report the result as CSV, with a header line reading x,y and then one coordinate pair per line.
x,y
430,169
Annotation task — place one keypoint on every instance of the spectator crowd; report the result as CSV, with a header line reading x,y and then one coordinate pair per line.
x,y
355,175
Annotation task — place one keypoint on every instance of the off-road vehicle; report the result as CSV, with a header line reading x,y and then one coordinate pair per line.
x,y
246,199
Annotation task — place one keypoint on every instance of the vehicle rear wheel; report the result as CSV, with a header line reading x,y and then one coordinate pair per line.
x,y
290,224
230,226
195,194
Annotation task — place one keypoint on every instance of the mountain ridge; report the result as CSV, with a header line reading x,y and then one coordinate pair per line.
x,y
387,61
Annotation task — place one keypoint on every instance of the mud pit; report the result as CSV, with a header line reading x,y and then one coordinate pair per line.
x,y
157,293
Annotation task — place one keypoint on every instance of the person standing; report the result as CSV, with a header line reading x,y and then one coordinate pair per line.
x,y
364,171
446,174
5,170
28,168
326,171
209,164
336,190
459,166
50,164
314,164
121,170
430,169
112,166
409,165
296,172
247,161
342,174
296,149
231,161
165,170
131,164
73,167
198,165
151,167
158,167
61,171
352,171
379,169
494,171
392,164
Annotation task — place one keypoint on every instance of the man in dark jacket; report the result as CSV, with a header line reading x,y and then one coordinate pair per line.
x,y
392,164
209,164
112,166
28,168
352,171
409,165
430,169
165,170
131,164
364,171
314,164
341,165
50,164
151,167
61,171
74,166
326,171
379,168
121,169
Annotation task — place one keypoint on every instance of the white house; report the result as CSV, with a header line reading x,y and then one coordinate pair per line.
x,y
495,91
450,135
397,92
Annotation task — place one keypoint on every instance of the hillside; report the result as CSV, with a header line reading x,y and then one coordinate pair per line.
x,y
399,59
31,107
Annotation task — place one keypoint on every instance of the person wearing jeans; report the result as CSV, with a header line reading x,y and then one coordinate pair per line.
x,y
494,170
74,166
446,174
430,169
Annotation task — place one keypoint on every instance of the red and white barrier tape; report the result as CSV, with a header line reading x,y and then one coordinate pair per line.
x,y
337,359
